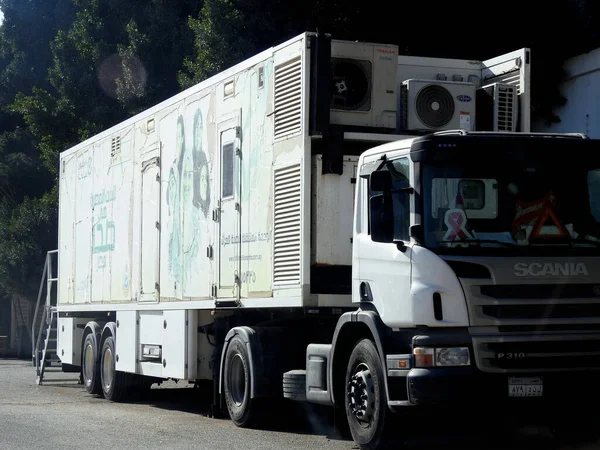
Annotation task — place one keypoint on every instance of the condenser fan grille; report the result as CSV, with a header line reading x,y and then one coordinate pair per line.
x,y
434,106
350,84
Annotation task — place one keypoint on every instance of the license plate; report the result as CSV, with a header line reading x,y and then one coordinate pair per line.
x,y
525,387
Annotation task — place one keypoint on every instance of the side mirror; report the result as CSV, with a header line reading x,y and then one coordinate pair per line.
x,y
380,180
381,218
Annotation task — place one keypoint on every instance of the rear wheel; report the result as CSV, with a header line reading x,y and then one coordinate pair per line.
x,y
365,395
114,383
90,367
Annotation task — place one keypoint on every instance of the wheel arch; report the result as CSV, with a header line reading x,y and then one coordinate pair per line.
x,y
250,339
92,327
352,327
110,329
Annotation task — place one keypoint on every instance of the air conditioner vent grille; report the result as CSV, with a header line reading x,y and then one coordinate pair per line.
x,y
506,104
434,106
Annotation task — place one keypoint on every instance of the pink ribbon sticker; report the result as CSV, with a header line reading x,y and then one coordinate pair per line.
x,y
456,221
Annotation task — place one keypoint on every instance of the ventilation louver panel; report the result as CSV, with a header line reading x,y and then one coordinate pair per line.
x,y
287,226
115,146
506,108
513,78
288,98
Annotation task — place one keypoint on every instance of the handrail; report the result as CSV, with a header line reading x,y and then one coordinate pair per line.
x,y
34,343
47,276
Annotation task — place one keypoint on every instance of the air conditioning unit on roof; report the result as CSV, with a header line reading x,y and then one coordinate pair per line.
x,y
363,84
497,107
431,105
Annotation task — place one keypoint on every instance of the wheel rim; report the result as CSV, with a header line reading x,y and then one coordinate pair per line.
x,y
88,363
107,368
237,380
361,395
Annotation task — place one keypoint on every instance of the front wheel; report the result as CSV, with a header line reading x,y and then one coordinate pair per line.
x,y
365,395
237,385
114,382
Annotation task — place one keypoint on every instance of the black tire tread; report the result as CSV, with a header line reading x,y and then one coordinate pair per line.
x,y
244,416
95,388
365,351
121,380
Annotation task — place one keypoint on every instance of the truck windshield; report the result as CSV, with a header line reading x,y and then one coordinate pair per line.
x,y
546,206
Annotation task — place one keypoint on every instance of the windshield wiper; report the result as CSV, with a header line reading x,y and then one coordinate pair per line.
x,y
480,241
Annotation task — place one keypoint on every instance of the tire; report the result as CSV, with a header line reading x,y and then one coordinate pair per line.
x,y
364,377
237,384
90,365
115,383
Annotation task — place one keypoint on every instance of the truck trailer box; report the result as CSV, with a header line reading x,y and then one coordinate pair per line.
x,y
206,197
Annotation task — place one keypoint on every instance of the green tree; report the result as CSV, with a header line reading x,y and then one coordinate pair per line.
x,y
27,231
229,31
27,211
116,59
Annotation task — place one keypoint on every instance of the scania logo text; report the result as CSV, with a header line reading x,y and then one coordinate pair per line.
x,y
550,269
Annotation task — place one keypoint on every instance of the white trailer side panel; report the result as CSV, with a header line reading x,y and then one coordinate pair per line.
x,y
176,204
84,224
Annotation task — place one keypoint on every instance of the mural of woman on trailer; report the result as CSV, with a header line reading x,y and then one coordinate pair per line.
x,y
188,202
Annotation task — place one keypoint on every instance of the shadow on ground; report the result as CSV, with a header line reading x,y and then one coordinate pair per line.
x,y
461,432
462,429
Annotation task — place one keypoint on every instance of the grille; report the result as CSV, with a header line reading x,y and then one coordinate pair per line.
x,y
287,226
532,327
288,98
528,353
531,304
506,108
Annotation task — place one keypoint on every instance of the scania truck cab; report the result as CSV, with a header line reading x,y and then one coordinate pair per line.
x,y
476,255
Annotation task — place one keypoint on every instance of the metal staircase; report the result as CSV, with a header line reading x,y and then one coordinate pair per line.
x,y
44,344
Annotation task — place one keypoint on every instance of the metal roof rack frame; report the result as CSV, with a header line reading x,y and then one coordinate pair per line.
x,y
503,133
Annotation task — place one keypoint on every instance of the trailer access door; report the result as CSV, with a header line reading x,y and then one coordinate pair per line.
x,y
150,227
229,208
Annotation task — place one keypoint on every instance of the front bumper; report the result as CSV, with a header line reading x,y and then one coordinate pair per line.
x,y
470,386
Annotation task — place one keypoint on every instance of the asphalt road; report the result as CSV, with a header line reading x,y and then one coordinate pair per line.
x,y
61,415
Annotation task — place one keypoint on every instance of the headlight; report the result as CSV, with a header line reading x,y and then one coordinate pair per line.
x,y
442,357
452,356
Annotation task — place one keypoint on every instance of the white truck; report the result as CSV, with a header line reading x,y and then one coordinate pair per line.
x,y
331,222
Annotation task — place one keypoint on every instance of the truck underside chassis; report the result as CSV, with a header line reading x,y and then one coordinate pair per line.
x,y
351,361
245,353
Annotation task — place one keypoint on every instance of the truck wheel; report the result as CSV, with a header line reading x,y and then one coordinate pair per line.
x,y
365,395
237,382
90,368
114,382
